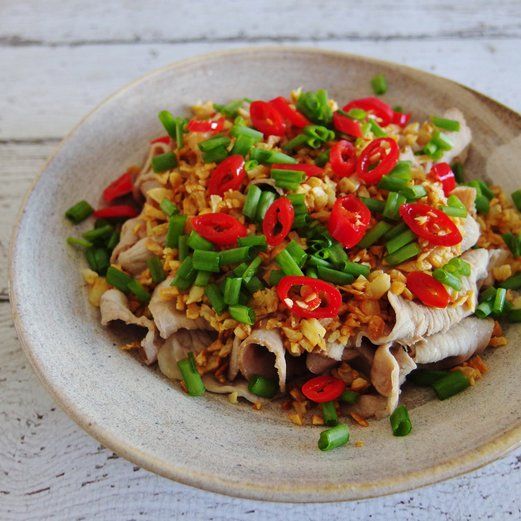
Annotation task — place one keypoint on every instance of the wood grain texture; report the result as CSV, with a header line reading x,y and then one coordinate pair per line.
x,y
58,60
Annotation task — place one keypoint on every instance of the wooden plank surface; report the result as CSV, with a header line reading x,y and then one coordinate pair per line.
x,y
58,60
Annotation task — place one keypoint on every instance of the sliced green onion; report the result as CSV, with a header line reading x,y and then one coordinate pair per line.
x,y
251,202
335,276
482,204
176,226
395,230
373,204
168,207
214,142
231,109
488,295
441,141
243,314
350,397
334,437
234,255
113,240
400,241
264,387
76,242
374,234
322,158
413,193
379,84
164,162
253,241
356,269
196,242
242,130
403,254
79,212
139,291
156,269
457,168
287,179
449,385
455,207
513,242
316,260
516,197
169,122
482,188
242,145
315,106
312,272
118,279
356,114
446,124
400,421
251,269
393,184
216,155
513,282
206,261
499,302
202,279
297,252
458,267
98,234
265,202
447,278
185,275
376,129
192,379
425,378
98,259
180,127
402,170
329,414
483,310
182,247
250,165
287,263
254,284
275,277
275,156
215,297
392,205
240,269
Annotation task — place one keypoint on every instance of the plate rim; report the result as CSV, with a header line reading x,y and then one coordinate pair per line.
x,y
471,459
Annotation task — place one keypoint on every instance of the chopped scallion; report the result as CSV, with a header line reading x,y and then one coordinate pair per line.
x,y
451,384
176,226
79,212
379,84
192,379
243,314
185,275
215,297
156,269
334,437
400,421
251,202
206,261
118,279
287,263
196,242
329,414
403,254
446,124
374,234
263,387
234,255
164,162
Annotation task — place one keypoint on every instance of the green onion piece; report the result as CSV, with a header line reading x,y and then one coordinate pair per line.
x,y
164,162
482,204
425,378
322,158
393,184
488,295
356,114
441,141
400,241
338,256
234,255
373,204
455,203
449,385
98,259
169,122
350,397
287,179
176,226
91,259
243,314
79,212
403,254
430,149
275,277
300,220
214,142
374,234
196,242
483,310
446,124
251,269
240,269
356,269
287,263
298,201
185,275
215,297
317,135
392,205
260,155
118,279
499,302
253,241
156,269
242,130
516,197
216,155
250,165
182,247
297,141
180,127
264,387
334,437
99,234
376,129
402,170
513,243
458,267
242,145
265,202
168,207
251,202
413,193
334,276
202,279
312,272
192,379
482,188
400,421
206,261
113,240
81,243
231,109
329,414
316,260
315,106
379,84
457,168
99,223
279,157
254,284
447,278
514,315
513,282
395,230
139,291
297,252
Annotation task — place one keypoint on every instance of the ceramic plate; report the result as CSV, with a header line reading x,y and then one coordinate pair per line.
x,y
207,442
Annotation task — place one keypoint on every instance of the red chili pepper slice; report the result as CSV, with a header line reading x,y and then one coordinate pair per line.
x,y
443,173
349,220
430,224
121,186
377,159
342,157
290,114
267,119
428,290
116,212
316,299
278,221
199,125
401,119
228,175
309,170
163,139
346,125
371,104
323,388
219,228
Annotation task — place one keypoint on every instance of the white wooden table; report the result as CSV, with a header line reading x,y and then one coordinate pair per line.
x,y
57,61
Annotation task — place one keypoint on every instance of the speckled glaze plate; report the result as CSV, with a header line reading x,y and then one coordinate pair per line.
x,y
207,442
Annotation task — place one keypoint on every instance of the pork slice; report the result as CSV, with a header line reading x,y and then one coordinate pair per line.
x,y
320,362
167,318
415,321
262,353
241,388
460,140
134,259
372,406
128,237
470,232
497,257
114,306
460,342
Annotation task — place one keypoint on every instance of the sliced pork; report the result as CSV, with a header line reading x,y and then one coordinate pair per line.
x,y
134,259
